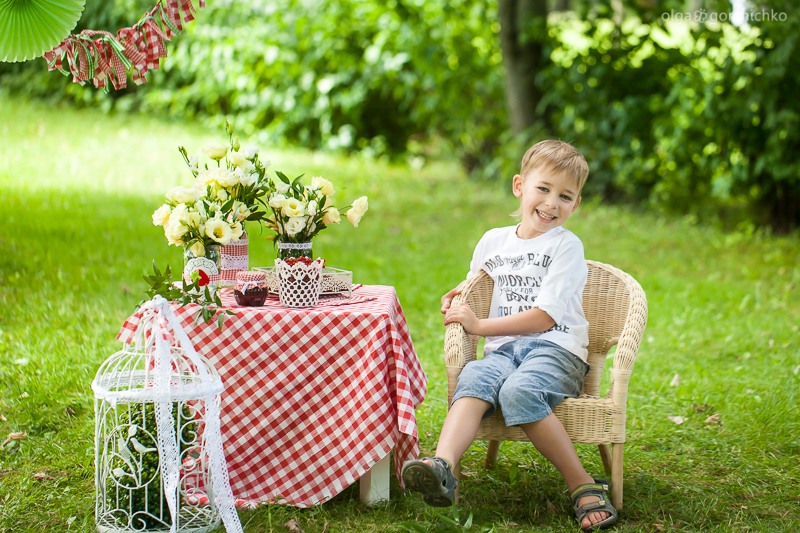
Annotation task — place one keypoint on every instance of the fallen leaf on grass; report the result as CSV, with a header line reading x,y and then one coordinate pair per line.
x,y
23,395
713,419
659,527
675,381
512,524
4,472
70,411
293,526
550,507
41,475
4,419
699,408
677,419
14,436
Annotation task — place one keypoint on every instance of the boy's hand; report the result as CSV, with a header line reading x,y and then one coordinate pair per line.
x,y
463,314
447,299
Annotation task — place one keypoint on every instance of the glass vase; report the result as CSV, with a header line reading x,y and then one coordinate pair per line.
x,y
207,265
288,250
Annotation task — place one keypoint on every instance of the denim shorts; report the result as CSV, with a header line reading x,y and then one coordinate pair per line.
x,y
526,378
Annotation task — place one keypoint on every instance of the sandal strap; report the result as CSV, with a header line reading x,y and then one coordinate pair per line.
x,y
443,462
589,489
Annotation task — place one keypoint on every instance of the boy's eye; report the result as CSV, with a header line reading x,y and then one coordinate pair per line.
x,y
565,197
543,189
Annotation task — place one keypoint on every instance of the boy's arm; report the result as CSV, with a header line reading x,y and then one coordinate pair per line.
x,y
447,299
531,321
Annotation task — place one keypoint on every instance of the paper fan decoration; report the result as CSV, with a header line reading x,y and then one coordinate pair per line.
x,y
29,28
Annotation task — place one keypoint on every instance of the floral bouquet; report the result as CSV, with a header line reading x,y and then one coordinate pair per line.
x,y
213,211
300,212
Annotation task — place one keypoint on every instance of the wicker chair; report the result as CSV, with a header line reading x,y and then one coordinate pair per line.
x,y
616,308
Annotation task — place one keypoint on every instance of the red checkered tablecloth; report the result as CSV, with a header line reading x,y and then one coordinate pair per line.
x,y
313,397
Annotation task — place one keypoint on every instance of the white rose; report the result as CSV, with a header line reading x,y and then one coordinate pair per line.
x,y
204,178
250,151
198,249
226,178
222,194
216,152
183,195
179,215
293,208
173,238
161,215
361,205
194,162
236,158
277,201
219,230
311,208
295,225
248,166
332,216
325,186
282,187
353,217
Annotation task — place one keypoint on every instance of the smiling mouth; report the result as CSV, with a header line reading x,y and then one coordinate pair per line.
x,y
545,216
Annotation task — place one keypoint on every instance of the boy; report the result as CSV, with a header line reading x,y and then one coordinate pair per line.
x,y
536,334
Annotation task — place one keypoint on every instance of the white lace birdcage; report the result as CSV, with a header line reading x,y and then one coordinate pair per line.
x,y
159,464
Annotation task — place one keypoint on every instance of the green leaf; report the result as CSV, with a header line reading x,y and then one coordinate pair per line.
x,y
283,177
220,320
513,472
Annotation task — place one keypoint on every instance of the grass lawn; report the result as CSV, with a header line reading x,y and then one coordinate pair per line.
x,y
77,189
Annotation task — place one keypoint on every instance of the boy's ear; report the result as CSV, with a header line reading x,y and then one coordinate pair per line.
x,y
577,204
516,185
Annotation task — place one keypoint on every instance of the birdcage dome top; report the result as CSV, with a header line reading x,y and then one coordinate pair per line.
x,y
136,373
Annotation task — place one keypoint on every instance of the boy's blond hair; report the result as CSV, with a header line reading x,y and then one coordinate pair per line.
x,y
557,157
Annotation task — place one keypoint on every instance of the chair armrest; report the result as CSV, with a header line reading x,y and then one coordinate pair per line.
x,y
629,341
459,346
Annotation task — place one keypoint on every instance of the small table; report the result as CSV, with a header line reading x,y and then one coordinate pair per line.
x,y
314,398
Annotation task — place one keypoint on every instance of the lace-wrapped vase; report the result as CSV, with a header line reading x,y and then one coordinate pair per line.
x,y
298,284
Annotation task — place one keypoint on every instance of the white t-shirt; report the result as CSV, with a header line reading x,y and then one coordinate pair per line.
x,y
548,272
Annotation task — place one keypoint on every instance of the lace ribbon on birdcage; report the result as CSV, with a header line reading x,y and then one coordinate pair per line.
x,y
165,319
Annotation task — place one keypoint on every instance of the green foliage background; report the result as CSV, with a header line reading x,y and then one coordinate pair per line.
x,y
692,117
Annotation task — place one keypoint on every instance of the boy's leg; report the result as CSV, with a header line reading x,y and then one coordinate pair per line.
x,y
460,427
550,438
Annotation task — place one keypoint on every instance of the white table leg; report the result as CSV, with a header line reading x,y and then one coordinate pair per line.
x,y
374,484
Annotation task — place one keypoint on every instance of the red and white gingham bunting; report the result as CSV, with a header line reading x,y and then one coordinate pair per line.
x,y
313,397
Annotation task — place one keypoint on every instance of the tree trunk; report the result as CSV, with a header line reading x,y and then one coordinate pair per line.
x,y
523,32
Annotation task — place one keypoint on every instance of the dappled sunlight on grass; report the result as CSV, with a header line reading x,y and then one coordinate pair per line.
x,y
724,315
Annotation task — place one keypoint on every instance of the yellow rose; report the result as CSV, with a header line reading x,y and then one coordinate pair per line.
x,y
361,205
353,217
325,186
332,216
198,249
216,152
293,208
161,215
182,195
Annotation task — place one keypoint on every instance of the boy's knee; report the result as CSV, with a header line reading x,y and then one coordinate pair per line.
x,y
517,392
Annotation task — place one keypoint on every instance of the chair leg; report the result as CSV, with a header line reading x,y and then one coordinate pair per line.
x,y
605,455
457,473
491,454
616,475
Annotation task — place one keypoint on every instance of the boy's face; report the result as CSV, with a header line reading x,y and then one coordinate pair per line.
x,y
547,201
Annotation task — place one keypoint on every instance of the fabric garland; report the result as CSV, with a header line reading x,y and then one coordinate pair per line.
x,y
99,56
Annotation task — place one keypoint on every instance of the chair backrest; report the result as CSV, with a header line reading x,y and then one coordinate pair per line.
x,y
606,304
